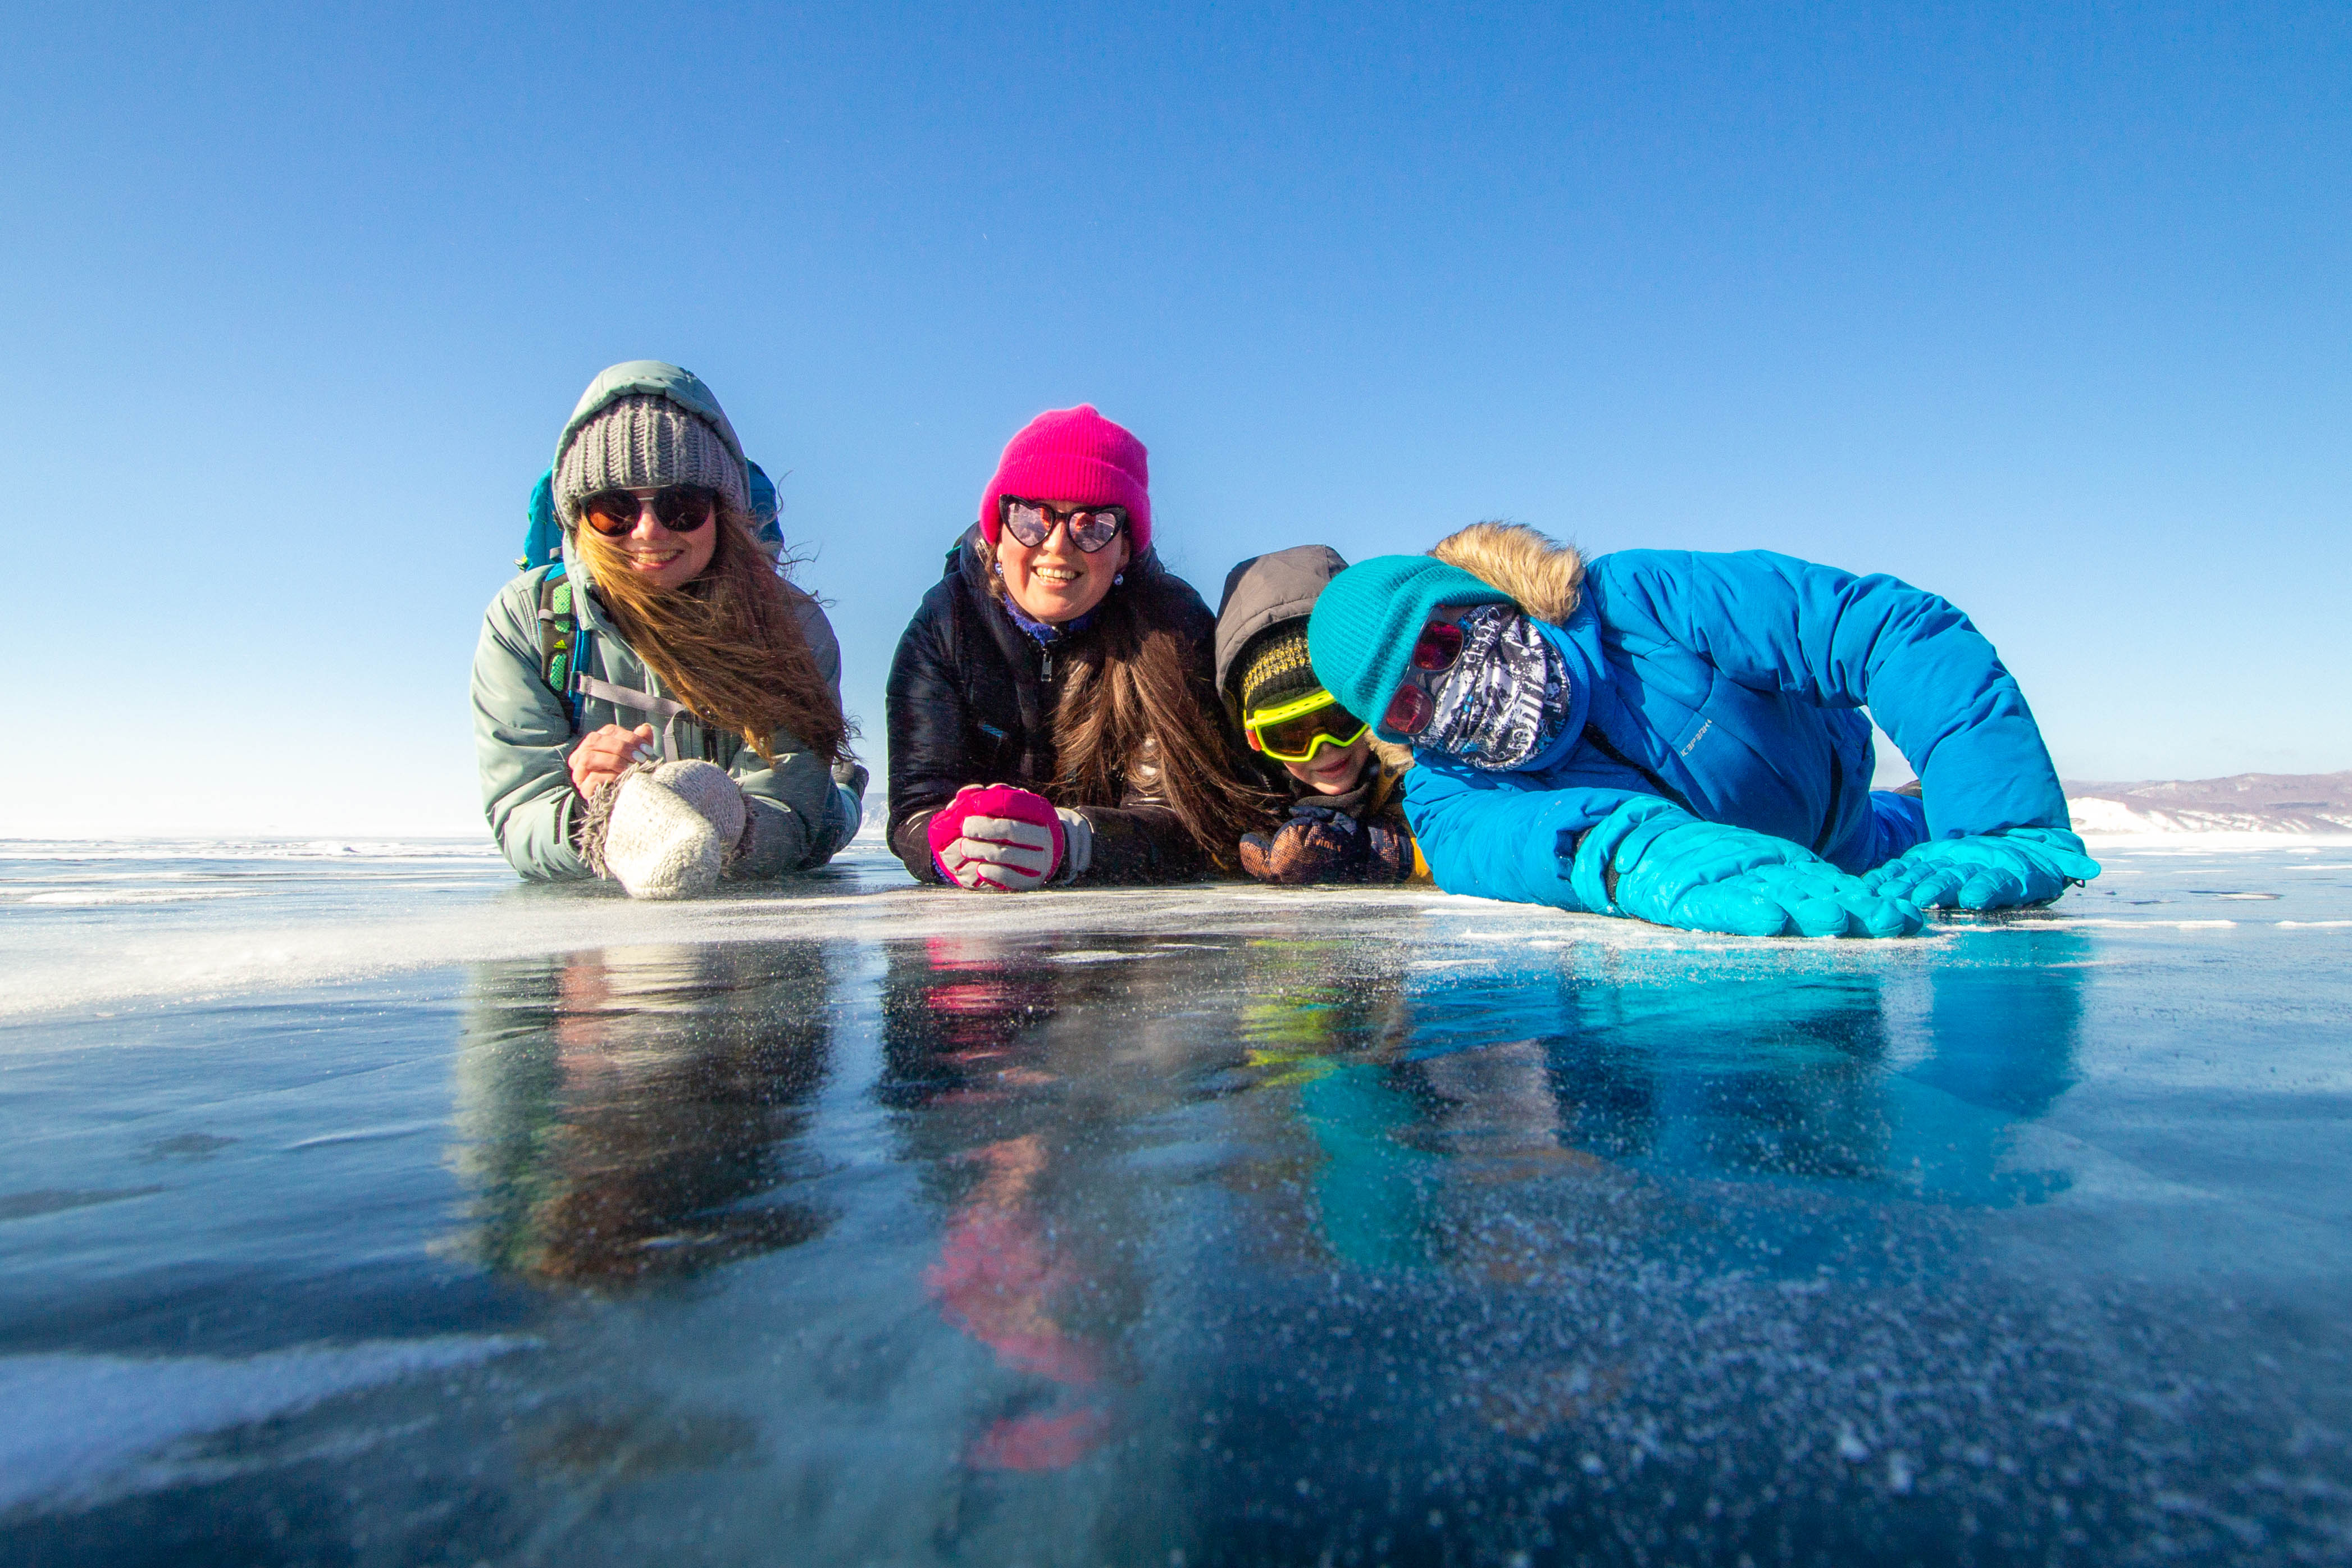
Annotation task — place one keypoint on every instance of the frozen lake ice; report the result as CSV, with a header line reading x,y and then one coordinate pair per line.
x,y
361,1205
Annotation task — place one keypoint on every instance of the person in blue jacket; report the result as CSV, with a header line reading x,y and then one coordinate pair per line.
x,y
1679,737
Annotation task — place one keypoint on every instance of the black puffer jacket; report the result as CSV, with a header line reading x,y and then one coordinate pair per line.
x,y
972,702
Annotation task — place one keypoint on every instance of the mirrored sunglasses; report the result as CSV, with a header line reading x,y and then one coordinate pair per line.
x,y
1433,653
1032,522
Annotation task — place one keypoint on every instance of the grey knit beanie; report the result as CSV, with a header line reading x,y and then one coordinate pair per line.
x,y
645,441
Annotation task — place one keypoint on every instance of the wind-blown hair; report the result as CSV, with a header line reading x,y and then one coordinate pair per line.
x,y
1132,699
728,644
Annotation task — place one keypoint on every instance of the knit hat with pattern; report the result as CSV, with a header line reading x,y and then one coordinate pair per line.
x,y
1274,669
645,441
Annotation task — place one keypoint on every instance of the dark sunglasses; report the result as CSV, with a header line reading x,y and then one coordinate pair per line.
x,y
1032,522
681,509
1433,653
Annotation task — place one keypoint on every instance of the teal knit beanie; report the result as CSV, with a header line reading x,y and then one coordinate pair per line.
x,y
1367,619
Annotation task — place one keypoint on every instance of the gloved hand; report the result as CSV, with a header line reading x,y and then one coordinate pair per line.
x,y
712,790
1999,870
1653,860
1007,839
849,781
1322,844
647,837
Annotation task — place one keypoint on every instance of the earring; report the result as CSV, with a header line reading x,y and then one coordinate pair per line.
x,y
1117,578
997,568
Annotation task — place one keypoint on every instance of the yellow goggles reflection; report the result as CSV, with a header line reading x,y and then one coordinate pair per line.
x,y
1294,732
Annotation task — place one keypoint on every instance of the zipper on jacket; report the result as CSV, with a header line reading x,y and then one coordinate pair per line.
x,y
1600,743
1837,787
1046,675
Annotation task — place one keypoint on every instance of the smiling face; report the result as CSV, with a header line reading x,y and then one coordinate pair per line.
x,y
659,558
1333,770
1055,581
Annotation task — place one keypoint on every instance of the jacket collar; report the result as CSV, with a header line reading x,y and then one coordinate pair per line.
x,y
1578,642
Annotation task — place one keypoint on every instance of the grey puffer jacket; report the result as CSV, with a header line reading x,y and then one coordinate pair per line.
x,y
523,730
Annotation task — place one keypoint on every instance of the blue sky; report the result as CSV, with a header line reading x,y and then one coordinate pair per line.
x,y
2046,310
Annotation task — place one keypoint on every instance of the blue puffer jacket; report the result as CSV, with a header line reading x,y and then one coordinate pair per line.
x,y
1734,684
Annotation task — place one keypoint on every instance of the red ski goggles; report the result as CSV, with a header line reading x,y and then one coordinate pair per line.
x,y
1433,653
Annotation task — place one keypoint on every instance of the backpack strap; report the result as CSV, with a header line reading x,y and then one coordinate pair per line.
x,y
560,639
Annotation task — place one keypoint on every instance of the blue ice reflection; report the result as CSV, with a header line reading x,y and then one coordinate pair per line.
x,y
1264,1231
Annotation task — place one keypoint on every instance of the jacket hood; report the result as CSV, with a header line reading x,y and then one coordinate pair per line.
x,y
1545,578
1361,633
1267,590
653,378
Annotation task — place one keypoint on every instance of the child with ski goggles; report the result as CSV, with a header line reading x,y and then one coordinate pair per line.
x,y
1294,732
1345,823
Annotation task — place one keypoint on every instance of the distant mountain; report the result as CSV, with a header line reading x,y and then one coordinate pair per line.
x,y
2243,802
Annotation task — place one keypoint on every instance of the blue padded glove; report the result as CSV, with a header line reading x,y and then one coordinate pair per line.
x,y
1653,860
1999,871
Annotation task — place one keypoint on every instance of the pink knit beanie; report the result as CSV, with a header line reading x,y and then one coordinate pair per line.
x,y
1078,455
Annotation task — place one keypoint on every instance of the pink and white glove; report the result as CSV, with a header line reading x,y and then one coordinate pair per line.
x,y
998,837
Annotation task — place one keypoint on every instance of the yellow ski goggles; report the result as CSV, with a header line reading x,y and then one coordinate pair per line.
x,y
1294,732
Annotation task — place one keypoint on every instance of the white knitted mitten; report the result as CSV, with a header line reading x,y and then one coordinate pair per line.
x,y
711,790
657,846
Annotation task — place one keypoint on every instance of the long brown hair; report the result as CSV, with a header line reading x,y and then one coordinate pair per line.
x,y
1131,681
728,643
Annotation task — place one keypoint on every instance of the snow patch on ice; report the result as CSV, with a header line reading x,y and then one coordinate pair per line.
x,y
86,849
2096,816
2152,925
72,1424
93,896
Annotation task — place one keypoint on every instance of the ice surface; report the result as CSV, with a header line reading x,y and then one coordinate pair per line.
x,y
374,1208
82,1422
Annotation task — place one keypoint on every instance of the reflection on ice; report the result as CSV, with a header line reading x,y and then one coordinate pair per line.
x,y
626,1112
1247,1227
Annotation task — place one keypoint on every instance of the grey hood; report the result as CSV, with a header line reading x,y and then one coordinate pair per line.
x,y
652,378
1267,590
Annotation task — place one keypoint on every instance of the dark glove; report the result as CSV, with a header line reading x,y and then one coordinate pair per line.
x,y
1322,844
1391,859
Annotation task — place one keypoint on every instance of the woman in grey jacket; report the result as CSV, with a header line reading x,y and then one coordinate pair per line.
x,y
661,707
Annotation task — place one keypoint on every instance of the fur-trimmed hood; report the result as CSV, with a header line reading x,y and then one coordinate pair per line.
x,y
1545,577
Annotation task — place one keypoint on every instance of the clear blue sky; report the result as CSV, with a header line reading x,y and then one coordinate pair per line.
x,y
2046,310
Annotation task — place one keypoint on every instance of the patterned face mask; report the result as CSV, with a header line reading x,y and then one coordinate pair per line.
x,y
1506,699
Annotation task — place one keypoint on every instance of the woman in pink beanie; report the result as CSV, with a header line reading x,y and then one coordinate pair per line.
x,y
1052,712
